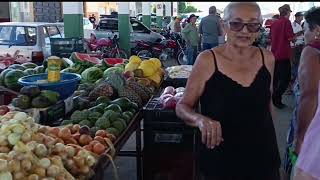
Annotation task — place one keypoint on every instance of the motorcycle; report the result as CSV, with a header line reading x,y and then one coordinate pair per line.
x,y
107,46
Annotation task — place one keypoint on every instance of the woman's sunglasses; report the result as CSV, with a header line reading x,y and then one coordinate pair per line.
x,y
238,26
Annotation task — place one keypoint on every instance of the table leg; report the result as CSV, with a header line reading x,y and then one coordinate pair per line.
x,y
138,151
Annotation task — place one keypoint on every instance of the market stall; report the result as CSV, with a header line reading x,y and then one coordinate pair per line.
x,y
89,104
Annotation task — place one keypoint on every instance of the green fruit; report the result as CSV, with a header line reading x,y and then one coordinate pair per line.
x,y
103,99
102,123
114,107
51,95
126,117
17,67
11,79
22,102
39,69
134,106
66,122
3,74
114,116
85,123
40,102
93,131
133,111
123,102
118,125
113,131
31,91
29,65
29,72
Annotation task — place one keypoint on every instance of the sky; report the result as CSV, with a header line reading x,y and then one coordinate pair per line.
x,y
266,7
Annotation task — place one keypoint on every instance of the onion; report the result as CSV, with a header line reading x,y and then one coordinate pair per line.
x,y
14,138
101,133
70,164
33,177
11,154
18,175
64,133
20,116
43,129
41,150
91,161
2,139
26,165
4,149
70,150
53,170
26,137
75,128
3,165
32,145
6,176
85,139
4,143
55,131
84,169
45,163
41,172
99,148
18,128
59,147
38,137
80,161
14,165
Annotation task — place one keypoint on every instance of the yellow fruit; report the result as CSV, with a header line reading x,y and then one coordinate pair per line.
x,y
131,66
160,72
147,62
135,59
148,70
156,62
155,78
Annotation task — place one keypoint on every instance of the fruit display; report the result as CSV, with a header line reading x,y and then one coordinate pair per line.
x,y
182,71
112,116
170,97
31,151
32,97
150,69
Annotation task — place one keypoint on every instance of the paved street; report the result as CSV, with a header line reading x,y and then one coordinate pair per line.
x,y
127,165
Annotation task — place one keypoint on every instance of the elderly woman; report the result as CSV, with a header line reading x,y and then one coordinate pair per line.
x,y
307,94
233,83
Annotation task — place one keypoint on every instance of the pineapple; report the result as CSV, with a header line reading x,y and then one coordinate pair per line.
x,y
118,82
103,89
142,91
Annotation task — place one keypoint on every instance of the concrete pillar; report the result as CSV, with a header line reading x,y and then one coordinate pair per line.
x,y
159,12
124,25
168,9
73,19
146,14
175,9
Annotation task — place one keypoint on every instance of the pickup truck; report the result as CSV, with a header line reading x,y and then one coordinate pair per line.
x,y
108,27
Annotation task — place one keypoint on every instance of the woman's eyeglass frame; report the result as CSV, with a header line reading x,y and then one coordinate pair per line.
x,y
238,26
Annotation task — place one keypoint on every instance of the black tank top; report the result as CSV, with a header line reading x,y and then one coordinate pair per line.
x,y
250,144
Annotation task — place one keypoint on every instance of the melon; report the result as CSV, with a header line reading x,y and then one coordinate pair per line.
x,y
82,57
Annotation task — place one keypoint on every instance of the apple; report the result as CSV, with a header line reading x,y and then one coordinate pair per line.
x,y
170,103
169,90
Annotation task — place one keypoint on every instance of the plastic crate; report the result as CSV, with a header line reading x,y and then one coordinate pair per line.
x,y
64,47
177,82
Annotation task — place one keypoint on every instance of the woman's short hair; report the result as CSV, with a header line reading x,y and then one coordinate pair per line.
x,y
312,16
229,9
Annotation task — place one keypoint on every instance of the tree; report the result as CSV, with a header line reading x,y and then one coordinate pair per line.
x,y
190,9
181,7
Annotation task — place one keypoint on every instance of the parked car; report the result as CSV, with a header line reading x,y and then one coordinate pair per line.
x,y
108,27
32,39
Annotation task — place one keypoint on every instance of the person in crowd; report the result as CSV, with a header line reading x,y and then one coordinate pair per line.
x,y
237,132
164,23
306,88
262,40
177,25
281,35
191,36
210,29
296,46
92,19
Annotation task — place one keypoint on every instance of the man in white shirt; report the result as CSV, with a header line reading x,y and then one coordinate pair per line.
x,y
297,46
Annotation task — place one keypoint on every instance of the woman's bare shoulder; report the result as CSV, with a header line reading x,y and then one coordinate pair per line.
x,y
204,64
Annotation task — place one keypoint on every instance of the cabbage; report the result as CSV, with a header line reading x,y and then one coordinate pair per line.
x,y
6,176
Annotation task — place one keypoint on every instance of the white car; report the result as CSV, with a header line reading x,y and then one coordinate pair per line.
x,y
32,39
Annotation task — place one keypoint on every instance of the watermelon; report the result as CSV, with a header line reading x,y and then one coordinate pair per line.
x,y
11,79
29,65
39,69
17,66
113,61
81,57
92,74
2,75
112,70
29,72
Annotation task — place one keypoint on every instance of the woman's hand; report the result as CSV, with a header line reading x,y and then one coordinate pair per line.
x,y
211,133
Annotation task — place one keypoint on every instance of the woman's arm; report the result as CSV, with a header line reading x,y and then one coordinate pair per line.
x,y
201,72
270,62
308,77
